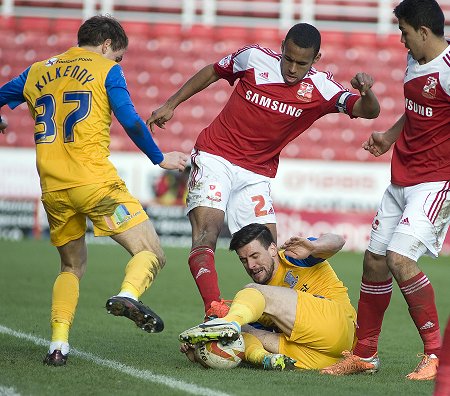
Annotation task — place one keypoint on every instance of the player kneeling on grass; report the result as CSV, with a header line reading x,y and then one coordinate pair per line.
x,y
296,292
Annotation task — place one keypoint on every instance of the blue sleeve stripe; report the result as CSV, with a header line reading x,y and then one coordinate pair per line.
x,y
12,92
310,261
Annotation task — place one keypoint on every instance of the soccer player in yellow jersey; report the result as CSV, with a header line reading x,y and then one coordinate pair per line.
x,y
70,97
307,317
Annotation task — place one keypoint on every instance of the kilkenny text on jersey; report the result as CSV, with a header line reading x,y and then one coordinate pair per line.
x,y
264,113
68,100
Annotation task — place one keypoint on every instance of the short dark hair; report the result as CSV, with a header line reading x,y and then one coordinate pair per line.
x,y
304,35
250,233
419,13
94,31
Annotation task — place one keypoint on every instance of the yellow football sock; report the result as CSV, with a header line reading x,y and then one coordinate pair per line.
x,y
247,306
140,272
254,350
64,303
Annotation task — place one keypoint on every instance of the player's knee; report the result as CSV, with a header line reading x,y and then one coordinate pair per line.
x,y
161,258
253,286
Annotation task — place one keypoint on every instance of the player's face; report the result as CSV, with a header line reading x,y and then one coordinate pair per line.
x,y
413,40
296,61
258,261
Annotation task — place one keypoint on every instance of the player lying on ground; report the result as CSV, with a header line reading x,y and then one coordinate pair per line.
x,y
296,295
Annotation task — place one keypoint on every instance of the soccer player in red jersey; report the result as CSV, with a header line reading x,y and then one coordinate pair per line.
x,y
277,97
414,214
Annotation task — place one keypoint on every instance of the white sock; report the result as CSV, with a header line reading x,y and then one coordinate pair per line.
x,y
126,294
62,346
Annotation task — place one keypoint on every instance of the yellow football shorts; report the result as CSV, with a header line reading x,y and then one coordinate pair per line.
x,y
322,330
110,207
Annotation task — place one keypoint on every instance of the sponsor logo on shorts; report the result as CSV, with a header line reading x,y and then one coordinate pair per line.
x,y
375,222
120,216
214,193
405,222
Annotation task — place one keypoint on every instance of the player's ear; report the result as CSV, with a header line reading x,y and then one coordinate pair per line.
x,y
317,57
282,46
106,44
273,250
424,32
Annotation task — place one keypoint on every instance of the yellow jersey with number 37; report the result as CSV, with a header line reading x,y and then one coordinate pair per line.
x,y
67,97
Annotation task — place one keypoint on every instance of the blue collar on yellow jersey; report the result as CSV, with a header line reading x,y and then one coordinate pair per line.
x,y
310,261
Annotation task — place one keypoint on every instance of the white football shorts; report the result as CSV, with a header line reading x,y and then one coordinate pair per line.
x,y
243,195
412,221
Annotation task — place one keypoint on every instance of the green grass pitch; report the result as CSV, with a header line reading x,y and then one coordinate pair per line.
x,y
113,357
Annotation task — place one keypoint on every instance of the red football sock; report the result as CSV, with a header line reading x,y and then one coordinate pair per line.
x,y
443,376
203,270
374,298
419,295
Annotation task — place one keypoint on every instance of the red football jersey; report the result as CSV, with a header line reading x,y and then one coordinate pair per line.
x,y
422,151
264,113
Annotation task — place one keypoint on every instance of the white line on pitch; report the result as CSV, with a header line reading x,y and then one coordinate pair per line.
x,y
134,372
6,391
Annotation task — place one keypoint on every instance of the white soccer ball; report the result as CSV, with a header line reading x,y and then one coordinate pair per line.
x,y
216,355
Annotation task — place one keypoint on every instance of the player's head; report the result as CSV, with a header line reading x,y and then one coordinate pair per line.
x,y
419,21
256,248
105,31
300,49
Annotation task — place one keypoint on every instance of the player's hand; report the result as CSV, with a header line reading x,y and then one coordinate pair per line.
x,y
298,247
159,117
362,82
3,126
174,161
188,350
377,144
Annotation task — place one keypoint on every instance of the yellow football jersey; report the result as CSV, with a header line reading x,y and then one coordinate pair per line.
x,y
316,277
67,97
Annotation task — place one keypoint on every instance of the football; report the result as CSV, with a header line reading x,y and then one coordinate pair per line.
x,y
216,355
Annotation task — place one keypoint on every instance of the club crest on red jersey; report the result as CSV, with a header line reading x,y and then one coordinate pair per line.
x,y
304,92
429,89
225,62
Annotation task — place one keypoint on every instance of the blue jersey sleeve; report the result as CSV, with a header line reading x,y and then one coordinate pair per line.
x,y
309,261
123,109
12,92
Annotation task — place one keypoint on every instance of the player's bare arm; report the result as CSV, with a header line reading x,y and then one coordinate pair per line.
x,y
198,82
174,160
379,142
367,105
325,246
3,126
